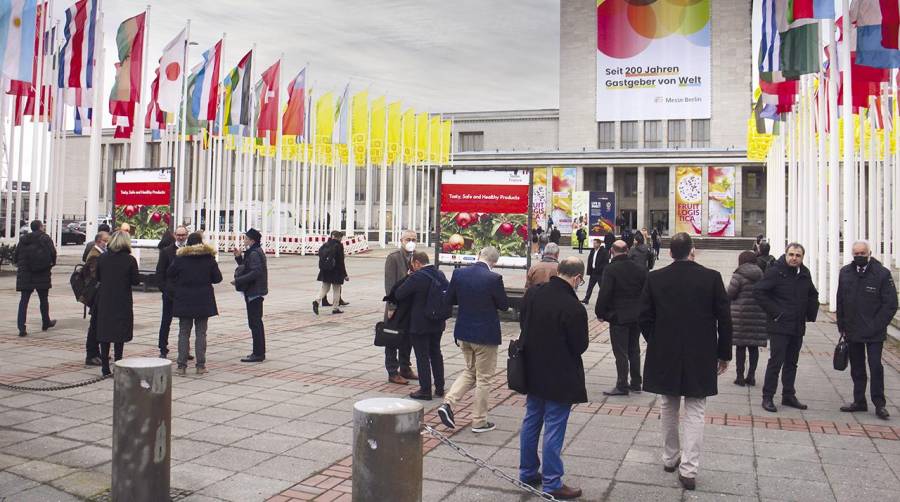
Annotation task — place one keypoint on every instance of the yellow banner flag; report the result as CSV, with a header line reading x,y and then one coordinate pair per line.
x,y
377,130
758,145
409,136
324,118
447,135
359,126
422,137
434,133
394,115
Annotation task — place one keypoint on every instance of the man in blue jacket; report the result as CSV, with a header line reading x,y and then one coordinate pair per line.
x,y
479,292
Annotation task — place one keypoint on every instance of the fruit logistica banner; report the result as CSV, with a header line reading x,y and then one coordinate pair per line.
x,y
484,208
721,201
143,199
689,200
653,59
563,186
539,198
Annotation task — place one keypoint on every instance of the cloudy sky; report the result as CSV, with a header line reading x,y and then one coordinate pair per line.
x,y
435,55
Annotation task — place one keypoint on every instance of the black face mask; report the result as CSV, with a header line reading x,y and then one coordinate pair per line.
x,y
860,261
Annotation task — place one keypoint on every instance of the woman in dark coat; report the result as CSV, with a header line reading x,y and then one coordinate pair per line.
x,y
193,274
117,272
747,317
333,278
640,253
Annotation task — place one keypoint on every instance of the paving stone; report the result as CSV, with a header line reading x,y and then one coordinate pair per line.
x,y
83,483
83,457
192,476
38,470
646,474
44,494
271,443
246,488
799,490
644,493
315,449
41,447
222,434
794,469
288,468
440,469
11,484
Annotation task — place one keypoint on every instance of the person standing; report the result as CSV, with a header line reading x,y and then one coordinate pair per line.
x,y
397,267
581,235
166,257
764,259
424,331
787,294
866,303
597,261
479,292
35,257
88,298
103,227
687,323
747,317
543,270
619,304
640,253
543,240
555,334
555,235
332,272
117,272
251,277
192,276
656,242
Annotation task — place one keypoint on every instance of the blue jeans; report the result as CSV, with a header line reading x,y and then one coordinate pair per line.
x,y
553,417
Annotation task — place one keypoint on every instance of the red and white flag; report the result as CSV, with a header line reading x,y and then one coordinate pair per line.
x,y
268,102
171,71
206,93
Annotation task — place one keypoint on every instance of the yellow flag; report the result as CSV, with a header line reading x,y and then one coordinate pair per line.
x,y
377,130
422,137
409,136
434,133
447,137
758,144
359,126
324,118
393,131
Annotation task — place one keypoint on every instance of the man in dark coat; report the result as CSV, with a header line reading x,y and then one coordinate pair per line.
x,y
103,227
866,303
687,324
117,272
764,259
555,334
479,292
555,236
35,257
166,257
252,278
424,332
89,272
397,267
333,277
787,294
597,261
619,304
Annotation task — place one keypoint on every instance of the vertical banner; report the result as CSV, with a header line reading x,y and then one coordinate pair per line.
x,y
539,199
484,208
689,200
602,214
143,200
580,209
563,185
653,59
721,201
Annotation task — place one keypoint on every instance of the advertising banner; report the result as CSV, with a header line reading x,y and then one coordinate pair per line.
x,y
689,200
142,199
484,208
602,214
653,59
580,209
721,201
563,185
539,199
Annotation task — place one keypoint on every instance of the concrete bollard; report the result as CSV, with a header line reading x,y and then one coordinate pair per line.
x,y
387,450
142,430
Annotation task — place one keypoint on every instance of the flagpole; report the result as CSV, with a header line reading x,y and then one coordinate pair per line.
x,y
887,180
895,205
138,159
847,181
834,168
368,198
10,156
181,135
307,135
382,180
48,132
36,112
93,178
278,144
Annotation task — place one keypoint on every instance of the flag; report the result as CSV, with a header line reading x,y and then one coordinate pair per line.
x,y
268,102
18,19
341,117
126,91
359,126
83,120
421,137
408,126
156,118
866,15
769,60
798,44
447,134
394,131
294,120
810,9
890,24
191,126
237,95
204,102
76,59
171,73
377,130
434,133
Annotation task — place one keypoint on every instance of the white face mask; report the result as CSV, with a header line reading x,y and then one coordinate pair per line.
x,y
410,246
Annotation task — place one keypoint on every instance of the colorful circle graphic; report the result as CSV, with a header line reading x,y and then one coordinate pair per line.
x,y
625,28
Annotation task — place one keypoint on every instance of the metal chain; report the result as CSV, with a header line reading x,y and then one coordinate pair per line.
x,y
481,463
55,387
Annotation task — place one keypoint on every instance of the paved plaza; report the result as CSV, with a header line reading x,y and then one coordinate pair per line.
x,y
281,430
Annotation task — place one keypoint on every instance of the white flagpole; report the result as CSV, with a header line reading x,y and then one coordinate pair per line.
x,y
368,197
93,178
34,174
308,136
382,180
10,152
884,209
895,188
847,191
181,135
278,144
19,167
138,140
350,173
834,172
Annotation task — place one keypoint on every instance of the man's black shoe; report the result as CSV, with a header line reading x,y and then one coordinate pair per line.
x,y
422,396
792,402
533,482
635,388
674,467
337,311
750,381
253,358
93,361
163,355
446,414
852,407
315,307
49,325
325,302
768,405
23,333
687,483
190,357
343,303
616,391
439,392
882,413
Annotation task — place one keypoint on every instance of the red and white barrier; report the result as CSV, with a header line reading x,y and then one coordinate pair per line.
x,y
295,244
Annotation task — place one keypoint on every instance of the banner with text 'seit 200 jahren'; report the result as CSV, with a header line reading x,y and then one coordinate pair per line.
x,y
653,59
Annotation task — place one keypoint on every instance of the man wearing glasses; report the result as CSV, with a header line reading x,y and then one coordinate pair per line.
x,y
166,257
397,268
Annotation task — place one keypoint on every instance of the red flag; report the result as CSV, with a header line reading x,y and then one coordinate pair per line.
x,y
268,101
155,118
890,24
294,115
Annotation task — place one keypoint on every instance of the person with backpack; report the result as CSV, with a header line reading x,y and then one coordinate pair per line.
x,y
34,257
251,277
764,260
87,294
332,271
581,235
426,289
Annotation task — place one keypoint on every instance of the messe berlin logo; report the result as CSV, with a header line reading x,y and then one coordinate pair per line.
x,y
625,28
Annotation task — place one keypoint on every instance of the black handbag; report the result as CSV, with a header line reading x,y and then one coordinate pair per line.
x,y
515,367
239,271
386,336
841,354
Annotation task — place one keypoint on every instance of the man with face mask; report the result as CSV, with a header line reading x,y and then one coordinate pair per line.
x,y
790,300
866,303
397,268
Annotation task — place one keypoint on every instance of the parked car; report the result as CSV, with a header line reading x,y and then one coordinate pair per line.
x,y
71,235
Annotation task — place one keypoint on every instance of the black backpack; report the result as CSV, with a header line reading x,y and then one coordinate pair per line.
x,y
39,258
83,286
328,257
436,306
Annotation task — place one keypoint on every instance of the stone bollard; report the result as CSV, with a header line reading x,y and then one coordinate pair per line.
x,y
387,450
142,430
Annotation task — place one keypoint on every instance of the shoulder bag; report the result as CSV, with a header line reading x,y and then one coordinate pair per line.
x,y
841,354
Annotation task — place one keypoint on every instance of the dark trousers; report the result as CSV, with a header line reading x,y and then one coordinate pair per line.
x,y
784,352
859,351
396,358
92,346
625,340
23,307
257,330
594,280
580,247
429,360
118,348
740,354
165,323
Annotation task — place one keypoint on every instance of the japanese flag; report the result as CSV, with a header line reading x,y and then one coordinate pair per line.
x,y
171,71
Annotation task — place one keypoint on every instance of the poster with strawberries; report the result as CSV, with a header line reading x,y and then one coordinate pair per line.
x,y
143,199
721,201
484,208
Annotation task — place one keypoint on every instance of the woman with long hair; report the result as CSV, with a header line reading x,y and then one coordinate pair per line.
x,y
117,272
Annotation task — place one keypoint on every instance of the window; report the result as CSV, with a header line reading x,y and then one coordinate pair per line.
x,y
630,184
606,135
661,185
595,179
653,134
471,141
700,133
629,135
676,133
754,184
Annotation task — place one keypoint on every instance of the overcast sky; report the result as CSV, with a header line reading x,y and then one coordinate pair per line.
x,y
435,55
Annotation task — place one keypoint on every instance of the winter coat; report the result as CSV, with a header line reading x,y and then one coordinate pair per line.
x,y
338,274
89,272
763,262
114,308
166,257
402,310
26,279
479,292
555,333
192,276
748,318
252,275
541,272
602,261
555,236
415,292
788,297
396,268
641,255
687,324
866,302
619,299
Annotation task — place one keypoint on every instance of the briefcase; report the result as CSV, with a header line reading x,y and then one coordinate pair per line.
x,y
841,354
387,336
515,367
